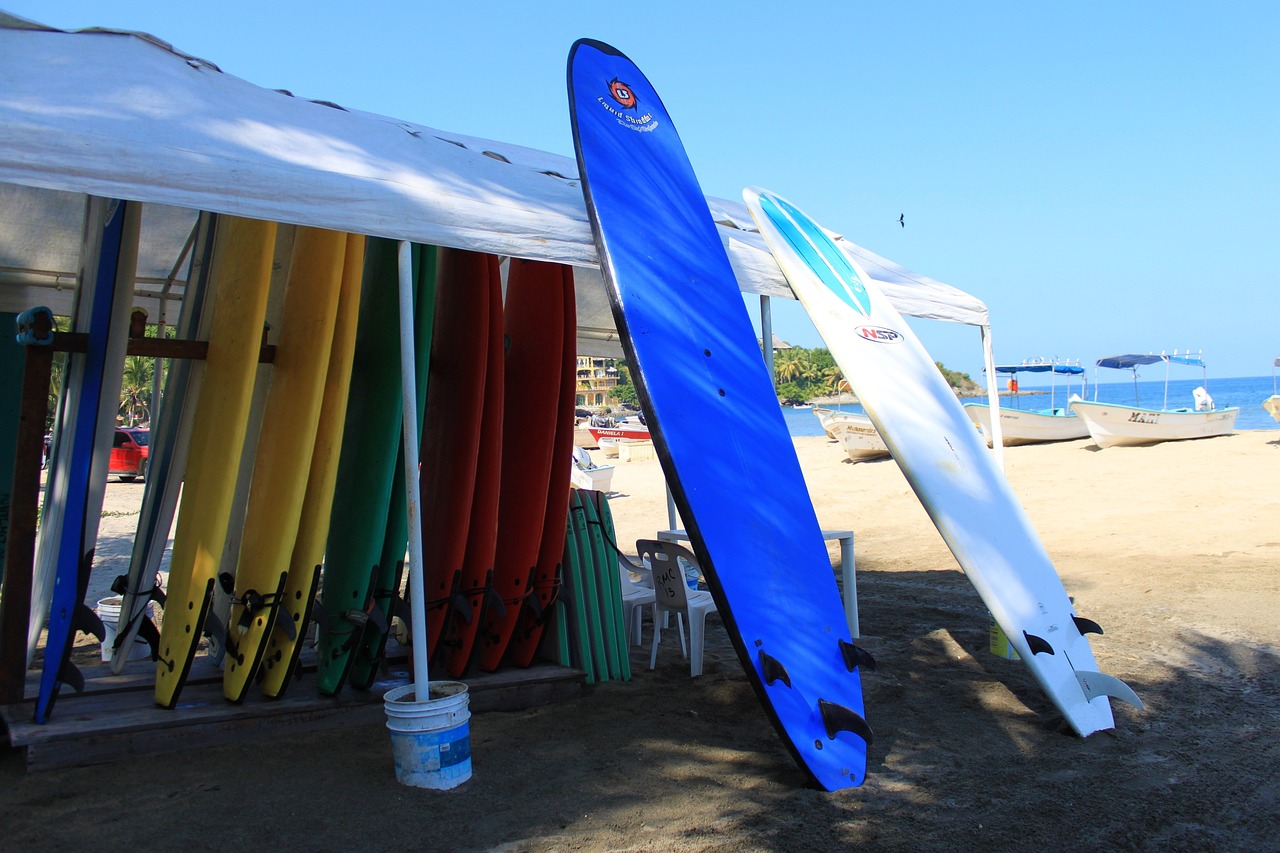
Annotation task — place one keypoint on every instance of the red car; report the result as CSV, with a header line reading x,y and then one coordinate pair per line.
x,y
129,454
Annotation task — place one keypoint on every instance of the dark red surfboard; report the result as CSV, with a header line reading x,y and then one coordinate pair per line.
x,y
474,581
451,432
534,328
547,572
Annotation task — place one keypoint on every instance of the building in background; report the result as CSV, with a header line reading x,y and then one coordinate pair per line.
x,y
597,379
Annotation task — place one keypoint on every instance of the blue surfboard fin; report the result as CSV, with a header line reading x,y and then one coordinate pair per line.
x,y
1038,645
1095,684
838,718
855,656
1086,626
772,669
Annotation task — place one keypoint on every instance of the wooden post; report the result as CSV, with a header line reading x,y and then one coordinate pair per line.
x,y
24,508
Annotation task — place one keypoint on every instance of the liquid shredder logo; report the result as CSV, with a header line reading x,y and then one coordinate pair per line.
x,y
622,93
624,96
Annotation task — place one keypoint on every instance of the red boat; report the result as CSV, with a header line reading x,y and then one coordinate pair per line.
x,y
632,427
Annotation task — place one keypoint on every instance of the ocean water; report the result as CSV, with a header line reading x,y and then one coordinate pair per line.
x,y
1247,392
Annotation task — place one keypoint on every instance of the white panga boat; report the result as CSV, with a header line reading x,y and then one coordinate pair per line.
x,y
1113,425
856,434
1033,426
1272,403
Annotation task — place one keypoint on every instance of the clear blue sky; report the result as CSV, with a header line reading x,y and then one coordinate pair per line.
x,y
1103,175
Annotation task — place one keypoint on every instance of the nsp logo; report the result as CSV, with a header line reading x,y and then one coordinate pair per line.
x,y
879,334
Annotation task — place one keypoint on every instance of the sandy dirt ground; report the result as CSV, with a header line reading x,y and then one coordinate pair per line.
x,y
1173,549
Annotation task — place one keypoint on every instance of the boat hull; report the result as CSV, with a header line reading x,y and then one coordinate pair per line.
x,y
1112,425
615,433
1272,405
1019,427
857,435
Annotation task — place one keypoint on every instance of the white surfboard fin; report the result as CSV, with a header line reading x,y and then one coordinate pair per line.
x,y
1095,684
1038,645
1086,626
855,656
838,718
772,669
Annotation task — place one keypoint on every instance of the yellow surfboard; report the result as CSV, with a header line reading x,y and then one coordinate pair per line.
x,y
285,445
242,256
313,525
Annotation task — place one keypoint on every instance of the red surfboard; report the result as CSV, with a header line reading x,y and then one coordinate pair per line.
x,y
534,330
451,424
463,621
547,573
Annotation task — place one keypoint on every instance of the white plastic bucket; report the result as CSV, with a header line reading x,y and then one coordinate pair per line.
x,y
431,741
109,613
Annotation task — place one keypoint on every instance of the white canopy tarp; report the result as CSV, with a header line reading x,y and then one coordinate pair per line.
x,y
124,115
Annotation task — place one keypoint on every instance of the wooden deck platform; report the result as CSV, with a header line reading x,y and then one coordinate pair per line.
x,y
116,717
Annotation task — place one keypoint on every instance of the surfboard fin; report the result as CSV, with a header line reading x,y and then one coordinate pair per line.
x,y
1086,626
1038,645
287,626
1095,684
70,675
773,670
837,718
148,631
491,599
320,616
214,628
86,621
855,656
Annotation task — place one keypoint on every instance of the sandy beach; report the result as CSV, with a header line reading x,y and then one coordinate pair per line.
x,y
1173,549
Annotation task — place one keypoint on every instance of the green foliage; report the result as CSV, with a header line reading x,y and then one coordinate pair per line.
x,y
626,395
801,374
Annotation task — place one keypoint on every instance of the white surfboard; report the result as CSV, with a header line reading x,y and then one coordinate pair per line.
x,y
945,460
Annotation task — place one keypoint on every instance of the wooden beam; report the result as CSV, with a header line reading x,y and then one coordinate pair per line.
x,y
24,509
155,347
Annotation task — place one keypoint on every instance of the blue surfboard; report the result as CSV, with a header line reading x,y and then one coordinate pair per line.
x,y
714,416
93,383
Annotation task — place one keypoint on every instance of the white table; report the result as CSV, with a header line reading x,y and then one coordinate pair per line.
x,y
847,577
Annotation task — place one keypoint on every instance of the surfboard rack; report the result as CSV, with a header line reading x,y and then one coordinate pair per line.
x,y
115,718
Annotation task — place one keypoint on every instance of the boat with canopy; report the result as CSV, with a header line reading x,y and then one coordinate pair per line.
x,y
1112,425
1034,426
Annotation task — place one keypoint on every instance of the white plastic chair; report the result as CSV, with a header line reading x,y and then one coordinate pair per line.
x,y
673,595
635,596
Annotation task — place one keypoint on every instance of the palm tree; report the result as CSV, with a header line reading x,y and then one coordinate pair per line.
x,y
135,390
833,377
789,364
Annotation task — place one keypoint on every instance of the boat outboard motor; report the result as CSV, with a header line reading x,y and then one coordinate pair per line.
x,y
1204,403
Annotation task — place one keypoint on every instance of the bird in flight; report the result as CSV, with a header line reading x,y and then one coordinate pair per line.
x,y
901,220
